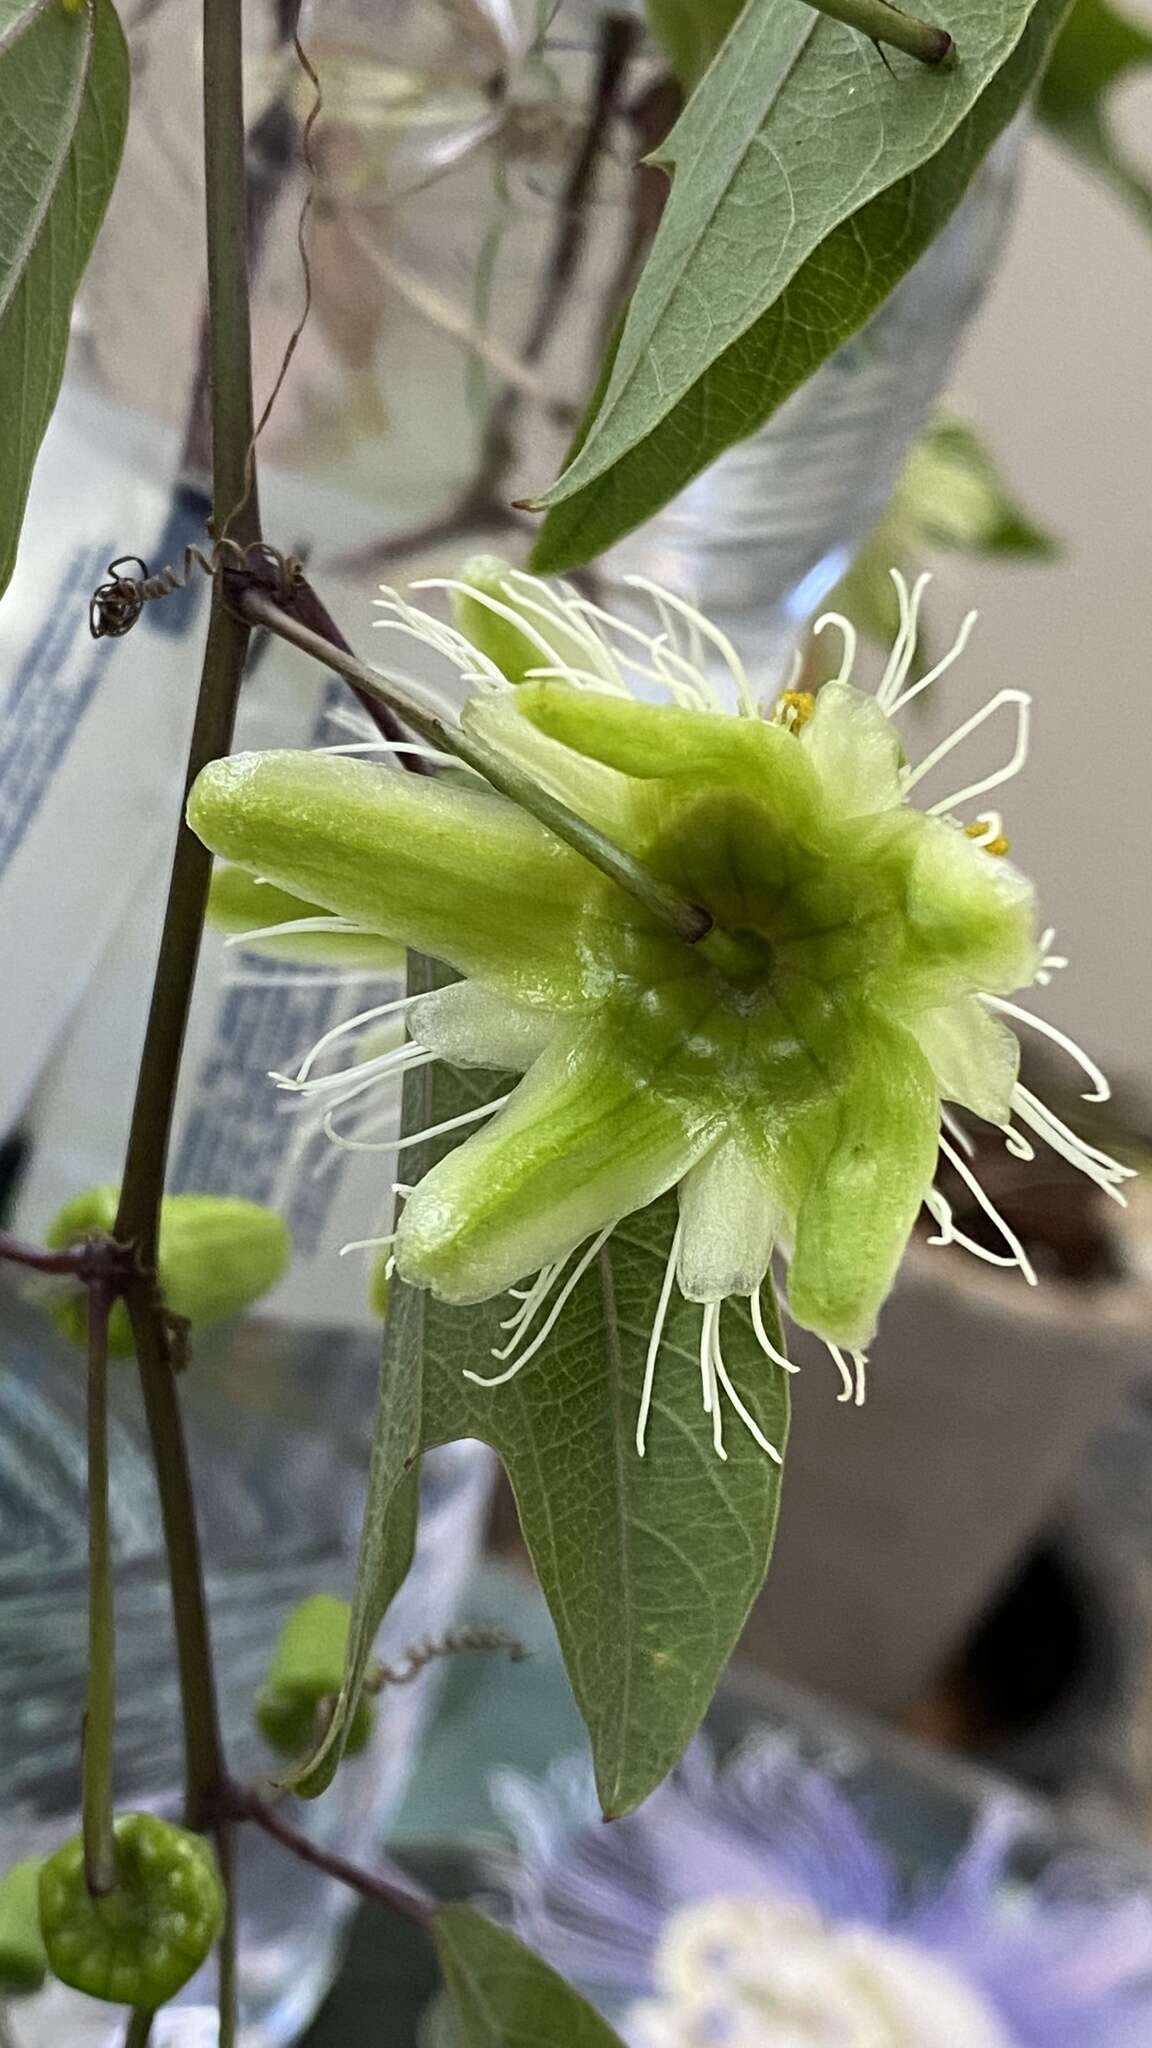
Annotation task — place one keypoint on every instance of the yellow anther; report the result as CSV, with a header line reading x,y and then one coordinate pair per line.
x,y
793,708
977,829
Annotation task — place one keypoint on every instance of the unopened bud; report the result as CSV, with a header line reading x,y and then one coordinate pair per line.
x,y
306,1670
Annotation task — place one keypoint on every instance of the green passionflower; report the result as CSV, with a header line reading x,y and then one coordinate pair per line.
x,y
789,1072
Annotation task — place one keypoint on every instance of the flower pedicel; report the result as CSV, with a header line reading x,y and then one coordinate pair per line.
x,y
793,1072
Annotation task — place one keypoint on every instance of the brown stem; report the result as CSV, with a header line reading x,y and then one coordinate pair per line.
x,y
101,1259
235,511
203,1753
303,604
387,1887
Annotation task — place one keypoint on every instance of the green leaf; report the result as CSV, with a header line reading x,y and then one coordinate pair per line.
x,y
63,110
691,32
503,1996
951,495
1094,51
649,1565
808,182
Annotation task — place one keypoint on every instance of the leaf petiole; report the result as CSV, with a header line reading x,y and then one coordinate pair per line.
x,y
887,24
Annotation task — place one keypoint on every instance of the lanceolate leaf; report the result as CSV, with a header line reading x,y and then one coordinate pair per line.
x,y
649,1565
63,108
1095,50
500,1995
807,182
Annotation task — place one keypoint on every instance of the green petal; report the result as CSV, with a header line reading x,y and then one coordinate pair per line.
x,y
729,1212
471,1027
869,1153
583,1142
972,916
458,874
661,741
855,750
974,1056
239,903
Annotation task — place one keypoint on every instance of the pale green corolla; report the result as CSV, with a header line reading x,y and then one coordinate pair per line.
x,y
788,1072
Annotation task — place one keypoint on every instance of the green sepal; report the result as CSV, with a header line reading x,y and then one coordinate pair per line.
x,y
397,854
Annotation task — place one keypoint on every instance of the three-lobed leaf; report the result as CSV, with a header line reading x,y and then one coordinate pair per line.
x,y
1096,49
499,1995
808,180
649,1565
63,111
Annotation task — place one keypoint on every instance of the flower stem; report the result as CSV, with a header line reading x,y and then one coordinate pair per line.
x,y
886,24
228,1988
203,1756
687,920
235,510
100,1715
387,1888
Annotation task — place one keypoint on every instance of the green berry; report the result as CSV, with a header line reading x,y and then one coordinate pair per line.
x,y
23,1960
138,1944
306,1669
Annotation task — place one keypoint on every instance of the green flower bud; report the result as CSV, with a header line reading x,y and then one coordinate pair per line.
x,y
217,1255
138,1944
23,1957
306,1669
512,619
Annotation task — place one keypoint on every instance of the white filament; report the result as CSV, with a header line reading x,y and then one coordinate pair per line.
x,y
847,632
904,646
764,1340
847,1378
1100,1090
933,675
288,927
1019,1255
941,1209
573,1281
710,632
341,1031
1088,1159
367,1244
1012,766
655,1340
452,1123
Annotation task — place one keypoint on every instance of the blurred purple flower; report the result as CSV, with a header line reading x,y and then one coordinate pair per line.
x,y
751,1906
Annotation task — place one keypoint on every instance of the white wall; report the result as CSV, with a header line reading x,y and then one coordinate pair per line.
x,y
1058,374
